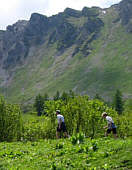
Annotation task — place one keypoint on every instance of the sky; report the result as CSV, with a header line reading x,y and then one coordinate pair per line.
x,y
13,10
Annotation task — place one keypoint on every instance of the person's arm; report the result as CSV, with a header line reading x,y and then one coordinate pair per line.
x,y
109,125
105,127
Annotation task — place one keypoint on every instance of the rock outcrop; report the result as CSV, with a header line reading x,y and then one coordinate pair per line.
x,y
18,38
125,11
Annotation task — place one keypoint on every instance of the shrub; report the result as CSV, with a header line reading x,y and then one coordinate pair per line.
x,y
10,121
81,115
38,128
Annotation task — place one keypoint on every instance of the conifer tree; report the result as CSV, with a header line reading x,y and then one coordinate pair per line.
x,y
71,94
64,96
57,96
97,96
46,97
39,104
118,102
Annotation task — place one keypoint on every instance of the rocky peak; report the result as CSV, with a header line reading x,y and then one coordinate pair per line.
x,y
37,19
37,25
1,34
19,26
60,29
125,12
72,12
94,11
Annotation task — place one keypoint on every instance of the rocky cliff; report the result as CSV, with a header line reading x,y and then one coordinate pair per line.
x,y
68,48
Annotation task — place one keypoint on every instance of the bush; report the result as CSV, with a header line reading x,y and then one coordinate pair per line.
x,y
81,115
10,121
124,126
38,128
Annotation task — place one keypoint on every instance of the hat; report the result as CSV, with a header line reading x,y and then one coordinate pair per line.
x,y
58,111
104,114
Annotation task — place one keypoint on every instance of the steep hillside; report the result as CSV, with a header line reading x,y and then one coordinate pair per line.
x,y
88,51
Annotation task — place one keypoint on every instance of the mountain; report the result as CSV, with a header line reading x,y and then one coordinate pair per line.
x,y
88,51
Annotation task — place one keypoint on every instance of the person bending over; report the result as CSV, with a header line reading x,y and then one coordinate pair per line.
x,y
61,125
111,126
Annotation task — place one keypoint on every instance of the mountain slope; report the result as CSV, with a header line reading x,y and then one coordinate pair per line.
x,y
88,51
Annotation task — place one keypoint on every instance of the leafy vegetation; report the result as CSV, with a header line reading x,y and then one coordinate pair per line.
x,y
39,103
87,148
80,112
81,115
118,103
97,68
10,121
61,154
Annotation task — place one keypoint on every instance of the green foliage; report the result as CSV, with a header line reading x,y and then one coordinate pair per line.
x,y
37,128
81,114
46,97
59,145
77,139
57,96
97,96
71,94
64,96
10,121
39,103
102,153
124,125
67,95
128,106
118,102
84,115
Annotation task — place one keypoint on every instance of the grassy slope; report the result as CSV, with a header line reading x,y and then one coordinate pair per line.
x,y
61,154
111,60
106,69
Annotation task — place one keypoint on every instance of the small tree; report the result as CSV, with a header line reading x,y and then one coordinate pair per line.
x,y
39,104
64,96
57,96
46,97
118,102
98,97
10,121
71,94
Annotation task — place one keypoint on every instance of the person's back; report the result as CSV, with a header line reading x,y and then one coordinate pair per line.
x,y
60,117
110,122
